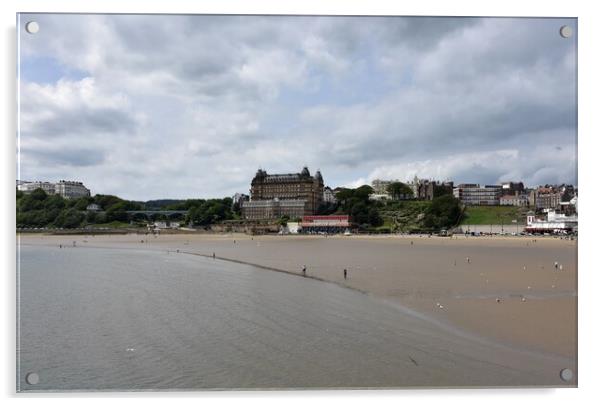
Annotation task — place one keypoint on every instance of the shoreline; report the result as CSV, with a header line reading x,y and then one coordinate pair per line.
x,y
410,271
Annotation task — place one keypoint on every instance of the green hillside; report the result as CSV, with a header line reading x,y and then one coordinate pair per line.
x,y
476,215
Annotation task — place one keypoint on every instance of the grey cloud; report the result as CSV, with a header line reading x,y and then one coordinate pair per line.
x,y
70,156
85,122
210,87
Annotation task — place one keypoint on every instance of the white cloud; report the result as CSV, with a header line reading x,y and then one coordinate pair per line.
x,y
189,106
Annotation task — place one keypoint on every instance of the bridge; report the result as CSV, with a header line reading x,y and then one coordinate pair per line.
x,y
149,213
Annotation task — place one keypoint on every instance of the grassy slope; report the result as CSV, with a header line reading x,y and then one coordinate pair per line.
x,y
475,215
404,215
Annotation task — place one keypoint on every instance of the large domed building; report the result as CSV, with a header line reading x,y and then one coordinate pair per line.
x,y
291,194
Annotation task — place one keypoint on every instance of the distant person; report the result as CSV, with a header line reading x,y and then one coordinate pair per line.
x,y
345,273
214,255
304,270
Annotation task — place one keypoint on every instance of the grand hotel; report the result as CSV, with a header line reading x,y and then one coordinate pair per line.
x,y
291,194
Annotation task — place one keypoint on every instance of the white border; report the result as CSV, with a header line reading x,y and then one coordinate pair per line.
x,y
589,147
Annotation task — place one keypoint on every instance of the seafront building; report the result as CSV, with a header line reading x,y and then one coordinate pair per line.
x,y
71,189
63,188
545,197
290,194
519,200
427,189
554,223
273,209
513,188
325,224
472,194
28,187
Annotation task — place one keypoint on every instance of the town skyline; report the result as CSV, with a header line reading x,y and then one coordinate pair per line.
x,y
326,185
137,106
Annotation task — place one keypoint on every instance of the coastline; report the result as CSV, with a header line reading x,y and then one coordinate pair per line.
x,y
417,272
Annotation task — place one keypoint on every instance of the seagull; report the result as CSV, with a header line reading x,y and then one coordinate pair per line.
x,y
560,267
523,299
556,264
439,305
498,300
524,268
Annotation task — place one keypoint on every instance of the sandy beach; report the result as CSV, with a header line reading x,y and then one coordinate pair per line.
x,y
503,288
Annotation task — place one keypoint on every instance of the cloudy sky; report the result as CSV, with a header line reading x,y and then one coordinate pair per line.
x,y
149,107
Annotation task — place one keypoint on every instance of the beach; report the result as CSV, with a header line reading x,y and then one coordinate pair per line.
x,y
519,291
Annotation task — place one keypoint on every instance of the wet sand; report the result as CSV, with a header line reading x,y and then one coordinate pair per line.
x,y
502,288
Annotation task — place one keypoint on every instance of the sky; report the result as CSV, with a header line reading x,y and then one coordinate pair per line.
x,y
175,106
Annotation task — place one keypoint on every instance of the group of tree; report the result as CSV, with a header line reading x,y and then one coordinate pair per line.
x,y
399,190
206,212
39,209
357,204
444,212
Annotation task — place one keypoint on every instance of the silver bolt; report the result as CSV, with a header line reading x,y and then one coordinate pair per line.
x,y
566,375
566,31
32,378
32,27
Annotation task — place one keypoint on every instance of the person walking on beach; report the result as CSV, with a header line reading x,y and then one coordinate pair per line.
x,y
345,273
214,255
304,270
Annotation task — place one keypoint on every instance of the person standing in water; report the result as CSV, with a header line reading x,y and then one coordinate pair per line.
x,y
304,270
345,273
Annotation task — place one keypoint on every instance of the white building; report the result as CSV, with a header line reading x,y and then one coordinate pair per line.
x,y
476,195
381,197
514,200
163,225
93,207
66,189
555,223
28,187
329,196
71,189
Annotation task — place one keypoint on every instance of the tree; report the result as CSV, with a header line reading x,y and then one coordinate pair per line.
x,y
69,218
54,202
39,194
106,201
444,212
399,190
283,220
82,203
363,192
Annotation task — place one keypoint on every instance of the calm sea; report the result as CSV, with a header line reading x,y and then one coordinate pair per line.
x,y
116,319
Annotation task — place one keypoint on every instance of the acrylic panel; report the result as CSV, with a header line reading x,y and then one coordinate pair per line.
x,y
295,202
